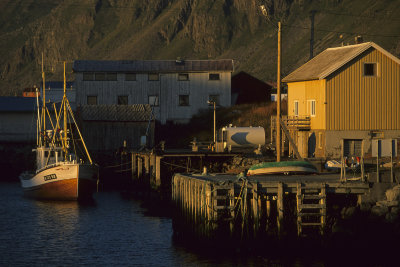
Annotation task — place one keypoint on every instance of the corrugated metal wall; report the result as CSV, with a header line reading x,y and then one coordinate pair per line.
x,y
356,102
110,136
18,126
304,91
168,88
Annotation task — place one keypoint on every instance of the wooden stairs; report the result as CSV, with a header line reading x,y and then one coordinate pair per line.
x,y
311,208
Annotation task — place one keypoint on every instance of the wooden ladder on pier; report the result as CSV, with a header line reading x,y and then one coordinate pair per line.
x,y
311,207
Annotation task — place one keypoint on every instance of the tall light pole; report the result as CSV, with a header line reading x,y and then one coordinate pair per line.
x,y
213,103
278,85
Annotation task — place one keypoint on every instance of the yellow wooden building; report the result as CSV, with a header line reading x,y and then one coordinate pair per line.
x,y
349,93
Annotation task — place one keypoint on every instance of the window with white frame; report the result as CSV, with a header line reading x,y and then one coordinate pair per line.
x,y
311,107
296,108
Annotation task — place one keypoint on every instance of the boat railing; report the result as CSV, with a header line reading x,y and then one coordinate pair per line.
x,y
57,164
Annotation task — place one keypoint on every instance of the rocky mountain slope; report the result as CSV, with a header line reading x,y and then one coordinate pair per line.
x,y
191,29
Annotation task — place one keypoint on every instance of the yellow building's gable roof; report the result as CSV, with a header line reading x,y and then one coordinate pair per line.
x,y
330,60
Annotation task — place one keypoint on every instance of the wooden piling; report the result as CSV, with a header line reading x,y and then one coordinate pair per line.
x,y
147,165
209,212
210,208
158,170
140,167
280,207
322,202
299,201
232,209
133,166
153,169
255,210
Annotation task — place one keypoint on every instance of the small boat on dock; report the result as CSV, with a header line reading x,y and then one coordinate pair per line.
x,y
60,173
282,167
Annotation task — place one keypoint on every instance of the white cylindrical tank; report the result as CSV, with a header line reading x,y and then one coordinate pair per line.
x,y
235,137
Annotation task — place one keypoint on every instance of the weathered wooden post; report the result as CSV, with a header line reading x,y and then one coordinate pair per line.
x,y
268,206
280,206
190,198
299,213
153,169
186,194
182,193
254,204
202,210
243,207
132,166
362,161
323,207
158,171
342,166
140,167
209,211
198,208
147,165
232,209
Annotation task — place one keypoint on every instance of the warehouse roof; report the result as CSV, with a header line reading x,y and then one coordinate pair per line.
x,y
331,60
17,104
153,65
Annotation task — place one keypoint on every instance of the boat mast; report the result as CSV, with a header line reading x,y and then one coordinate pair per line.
x,y
44,99
65,113
38,124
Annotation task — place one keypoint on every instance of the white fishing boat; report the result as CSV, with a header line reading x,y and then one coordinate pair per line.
x,y
60,173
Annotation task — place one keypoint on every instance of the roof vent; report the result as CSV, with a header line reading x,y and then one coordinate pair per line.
x,y
358,39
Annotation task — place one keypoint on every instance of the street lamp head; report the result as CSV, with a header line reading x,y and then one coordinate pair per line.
x,y
264,11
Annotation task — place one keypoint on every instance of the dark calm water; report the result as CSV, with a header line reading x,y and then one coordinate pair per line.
x,y
110,231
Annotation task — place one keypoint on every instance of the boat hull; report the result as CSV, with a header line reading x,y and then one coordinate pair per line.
x,y
281,170
62,182
288,167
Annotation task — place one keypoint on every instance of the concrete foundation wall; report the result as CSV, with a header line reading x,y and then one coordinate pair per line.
x,y
333,139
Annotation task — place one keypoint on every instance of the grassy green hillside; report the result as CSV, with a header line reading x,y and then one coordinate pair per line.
x,y
192,29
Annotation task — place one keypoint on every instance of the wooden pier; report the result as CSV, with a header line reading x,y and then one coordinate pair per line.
x,y
155,168
210,205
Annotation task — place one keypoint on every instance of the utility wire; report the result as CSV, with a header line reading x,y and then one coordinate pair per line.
x,y
358,15
325,30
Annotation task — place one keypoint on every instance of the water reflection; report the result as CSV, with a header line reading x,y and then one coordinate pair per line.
x,y
110,230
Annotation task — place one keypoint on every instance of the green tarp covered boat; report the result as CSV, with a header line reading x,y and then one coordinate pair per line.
x,y
283,167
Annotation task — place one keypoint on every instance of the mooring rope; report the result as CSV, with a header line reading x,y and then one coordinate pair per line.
x,y
114,166
180,166
126,170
